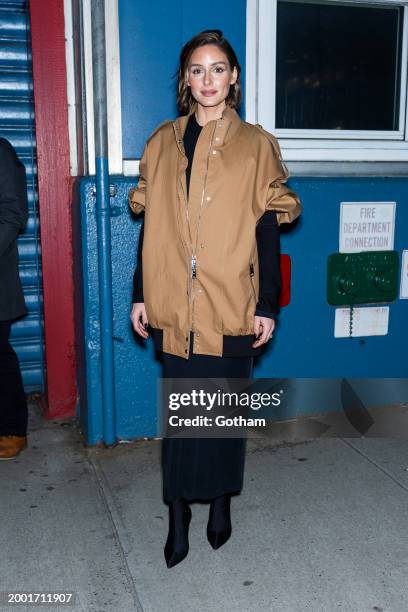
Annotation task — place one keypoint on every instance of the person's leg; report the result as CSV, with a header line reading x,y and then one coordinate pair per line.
x,y
204,469
13,403
177,544
219,521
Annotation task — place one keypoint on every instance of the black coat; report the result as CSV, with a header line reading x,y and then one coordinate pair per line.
x,y
13,218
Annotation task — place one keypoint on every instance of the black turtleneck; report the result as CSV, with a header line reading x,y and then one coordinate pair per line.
x,y
191,135
267,240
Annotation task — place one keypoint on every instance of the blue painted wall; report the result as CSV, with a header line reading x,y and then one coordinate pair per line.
x,y
136,369
303,345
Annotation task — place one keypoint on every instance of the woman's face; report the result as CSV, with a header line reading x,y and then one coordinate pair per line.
x,y
209,75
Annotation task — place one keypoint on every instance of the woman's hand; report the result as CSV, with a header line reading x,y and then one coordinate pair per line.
x,y
139,319
263,327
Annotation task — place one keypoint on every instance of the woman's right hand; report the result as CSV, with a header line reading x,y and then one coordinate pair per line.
x,y
139,319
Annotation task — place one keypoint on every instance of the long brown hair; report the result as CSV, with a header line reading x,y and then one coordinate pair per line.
x,y
185,100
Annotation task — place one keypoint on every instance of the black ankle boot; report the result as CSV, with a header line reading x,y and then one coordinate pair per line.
x,y
219,521
177,545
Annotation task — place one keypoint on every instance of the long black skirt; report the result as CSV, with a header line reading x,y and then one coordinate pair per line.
x,y
200,469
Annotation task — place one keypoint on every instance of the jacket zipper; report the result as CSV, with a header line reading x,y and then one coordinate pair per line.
x,y
193,256
251,275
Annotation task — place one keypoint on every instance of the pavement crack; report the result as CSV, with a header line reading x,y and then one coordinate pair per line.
x,y
377,465
119,531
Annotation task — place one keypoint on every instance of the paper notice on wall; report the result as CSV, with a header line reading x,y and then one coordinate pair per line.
x,y
367,321
366,226
404,275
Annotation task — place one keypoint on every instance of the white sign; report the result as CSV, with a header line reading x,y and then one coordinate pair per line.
x,y
404,275
366,226
367,321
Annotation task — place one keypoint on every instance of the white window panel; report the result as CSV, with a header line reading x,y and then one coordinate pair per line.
x,y
303,145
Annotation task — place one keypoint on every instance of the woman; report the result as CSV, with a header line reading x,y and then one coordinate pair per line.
x,y
208,277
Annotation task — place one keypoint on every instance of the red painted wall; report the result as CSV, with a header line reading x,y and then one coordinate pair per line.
x,y
55,187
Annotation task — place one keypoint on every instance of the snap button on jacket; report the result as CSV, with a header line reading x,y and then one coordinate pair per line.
x,y
200,263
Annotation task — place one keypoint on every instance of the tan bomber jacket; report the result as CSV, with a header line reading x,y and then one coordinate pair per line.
x,y
200,262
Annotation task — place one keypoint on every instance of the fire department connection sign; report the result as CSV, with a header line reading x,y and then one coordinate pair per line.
x,y
366,226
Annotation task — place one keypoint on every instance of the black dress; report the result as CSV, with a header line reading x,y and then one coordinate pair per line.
x,y
202,468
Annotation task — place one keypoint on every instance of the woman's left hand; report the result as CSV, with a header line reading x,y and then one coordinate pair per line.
x,y
263,329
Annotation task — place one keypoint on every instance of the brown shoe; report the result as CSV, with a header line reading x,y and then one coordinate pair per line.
x,y
11,446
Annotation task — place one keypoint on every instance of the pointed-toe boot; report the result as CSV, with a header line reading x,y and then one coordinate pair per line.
x,y
219,522
177,545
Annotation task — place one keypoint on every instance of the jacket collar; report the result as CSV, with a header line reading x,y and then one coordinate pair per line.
x,y
226,126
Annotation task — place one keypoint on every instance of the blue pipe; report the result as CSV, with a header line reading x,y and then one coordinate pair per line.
x,y
103,222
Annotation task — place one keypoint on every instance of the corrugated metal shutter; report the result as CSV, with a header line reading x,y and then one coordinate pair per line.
x,y
17,125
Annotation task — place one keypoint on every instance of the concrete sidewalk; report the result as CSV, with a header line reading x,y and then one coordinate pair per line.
x,y
319,525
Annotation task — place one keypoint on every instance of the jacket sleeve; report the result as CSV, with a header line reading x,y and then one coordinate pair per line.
x,y
13,196
137,295
279,197
137,195
270,281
